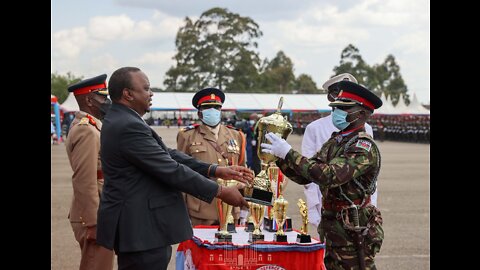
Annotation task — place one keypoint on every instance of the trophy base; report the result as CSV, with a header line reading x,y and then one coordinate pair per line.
x,y
259,196
249,227
221,238
304,238
280,238
252,238
231,228
268,224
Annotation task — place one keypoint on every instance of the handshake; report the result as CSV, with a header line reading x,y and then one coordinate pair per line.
x,y
232,195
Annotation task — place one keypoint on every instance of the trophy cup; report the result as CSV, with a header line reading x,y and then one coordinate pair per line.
x,y
256,211
278,187
303,236
261,192
280,214
224,210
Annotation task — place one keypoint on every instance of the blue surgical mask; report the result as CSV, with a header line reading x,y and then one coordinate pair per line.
x,y
339,118
211,117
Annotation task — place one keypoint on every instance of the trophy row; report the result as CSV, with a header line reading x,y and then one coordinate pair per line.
x,y
268,186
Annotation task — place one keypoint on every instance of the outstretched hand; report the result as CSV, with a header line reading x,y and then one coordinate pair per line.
x,y
235,172
232,196
278,147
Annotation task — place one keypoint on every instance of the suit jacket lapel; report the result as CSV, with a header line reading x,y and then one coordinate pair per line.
x,y
159,139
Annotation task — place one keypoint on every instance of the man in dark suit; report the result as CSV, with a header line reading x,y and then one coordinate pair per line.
x,y
141,210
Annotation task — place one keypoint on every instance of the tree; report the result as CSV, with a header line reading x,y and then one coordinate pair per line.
x,y
245,74
393,82
352,62
212,50
278,74
380,78
304,84
60,83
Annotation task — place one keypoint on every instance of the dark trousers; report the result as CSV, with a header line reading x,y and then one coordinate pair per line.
x,y
152,259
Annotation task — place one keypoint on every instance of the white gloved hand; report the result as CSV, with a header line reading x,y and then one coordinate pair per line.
x,y
278,148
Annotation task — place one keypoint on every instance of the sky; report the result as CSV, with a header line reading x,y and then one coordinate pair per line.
x,y
92,37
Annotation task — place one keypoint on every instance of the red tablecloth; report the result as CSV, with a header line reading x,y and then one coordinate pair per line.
x,y
201,252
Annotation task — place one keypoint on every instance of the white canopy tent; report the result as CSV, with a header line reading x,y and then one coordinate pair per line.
x,y
387,107
401,108
70,104
244,102
416,108
175,101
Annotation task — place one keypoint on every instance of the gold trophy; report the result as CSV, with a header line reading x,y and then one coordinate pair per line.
x,y
278,187
224,210
261,192
256,212
280,214
303,236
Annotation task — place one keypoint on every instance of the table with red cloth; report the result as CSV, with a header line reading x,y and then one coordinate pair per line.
x,y
201,252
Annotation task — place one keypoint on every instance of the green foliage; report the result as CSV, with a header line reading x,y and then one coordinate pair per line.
x,y
213,51
277,75
60,83
304,84
219,50
380,78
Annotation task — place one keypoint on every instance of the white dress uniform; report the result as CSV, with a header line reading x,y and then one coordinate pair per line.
x,y
316,134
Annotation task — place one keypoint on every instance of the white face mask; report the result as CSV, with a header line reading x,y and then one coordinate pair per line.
x,y
211,117
252,122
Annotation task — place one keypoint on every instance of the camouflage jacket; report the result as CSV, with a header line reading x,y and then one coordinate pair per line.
x,y
344,163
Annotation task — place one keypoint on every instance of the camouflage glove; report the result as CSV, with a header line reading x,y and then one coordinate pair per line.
x,y
278,148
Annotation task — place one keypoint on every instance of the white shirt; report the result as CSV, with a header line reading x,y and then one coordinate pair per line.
x,y
316,134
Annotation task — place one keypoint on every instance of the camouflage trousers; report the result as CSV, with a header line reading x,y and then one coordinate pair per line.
x,y
341,250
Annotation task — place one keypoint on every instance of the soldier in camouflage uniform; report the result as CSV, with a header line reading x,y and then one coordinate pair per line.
x,y
346,169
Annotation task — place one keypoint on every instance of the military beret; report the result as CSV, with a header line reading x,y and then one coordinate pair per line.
x,y
335,79
208,96
96,84
352,94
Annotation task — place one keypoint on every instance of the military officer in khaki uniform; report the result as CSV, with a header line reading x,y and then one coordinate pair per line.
x,y
83,150
210,142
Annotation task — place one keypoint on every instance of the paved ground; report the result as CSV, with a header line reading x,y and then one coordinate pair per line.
x,y
403,198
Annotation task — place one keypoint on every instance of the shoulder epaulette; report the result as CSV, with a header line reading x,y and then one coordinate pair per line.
x,y
187,128
83,121
363,134
232,127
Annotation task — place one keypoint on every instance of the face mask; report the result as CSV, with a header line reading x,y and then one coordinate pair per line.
x,y
211,117
252,122
339,118
105,106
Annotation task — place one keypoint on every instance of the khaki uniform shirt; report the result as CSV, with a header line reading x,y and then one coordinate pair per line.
x,y
83,150
197,141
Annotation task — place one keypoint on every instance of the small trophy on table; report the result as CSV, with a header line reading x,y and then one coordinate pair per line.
x,y
278,187
256,212
224,210
280,214
303,237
